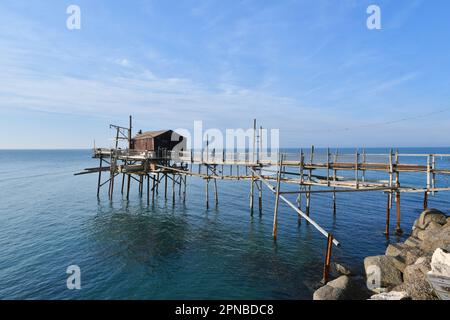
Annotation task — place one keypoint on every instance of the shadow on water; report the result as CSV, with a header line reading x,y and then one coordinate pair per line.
x,y
136,234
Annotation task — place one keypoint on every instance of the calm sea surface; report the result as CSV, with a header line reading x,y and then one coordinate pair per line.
x,y
50,219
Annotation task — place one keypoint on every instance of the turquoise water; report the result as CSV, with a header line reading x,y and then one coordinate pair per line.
x,y
50,219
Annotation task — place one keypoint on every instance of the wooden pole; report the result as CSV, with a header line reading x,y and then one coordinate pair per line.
x,y
336,155
165,185
173,189
433,167
99,177
326,265
428,172
157,183
148,189
216,195
277,199
388,213
260,196
356,169
252,185
207,192
425,201
123,183
397,198
254,142
184,189
128,186
300,185
364,166
308,195
328,167
153,189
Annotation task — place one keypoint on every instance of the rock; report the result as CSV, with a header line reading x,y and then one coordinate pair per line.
x,y
430,215
328,293
415,283
396,249
333,290
434,226
436,238
381,272
413,242
419,290
417,270
440,263
412,255
393,295
340,283
343,288
399,263
341,269
415,233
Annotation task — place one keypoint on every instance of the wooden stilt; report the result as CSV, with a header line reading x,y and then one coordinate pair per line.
x,y
99,178
308,201
356,169
173,189
153,189
165,185
252,187
216,195
277,199
184,189
388,213
260,197
398,228
123,183
157,183
336,155
128,186
425,201
207,193
326,265
148,189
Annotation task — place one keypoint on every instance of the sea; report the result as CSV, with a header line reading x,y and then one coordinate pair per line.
x,y
52,220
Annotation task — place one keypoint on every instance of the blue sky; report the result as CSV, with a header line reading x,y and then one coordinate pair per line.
x,y
310,68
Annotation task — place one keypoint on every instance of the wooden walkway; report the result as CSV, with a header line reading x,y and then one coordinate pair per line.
x,y
311,172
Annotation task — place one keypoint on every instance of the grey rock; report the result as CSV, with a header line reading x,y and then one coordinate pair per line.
x,y
436,238
413,242
440,263
413,254
343,288
396,249
333,290
416,284
399,263
420,290
381,272
392,295
430,215
341,269
328,293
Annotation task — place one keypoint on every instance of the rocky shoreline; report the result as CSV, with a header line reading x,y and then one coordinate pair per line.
x,y
401,273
